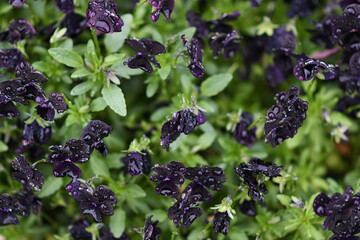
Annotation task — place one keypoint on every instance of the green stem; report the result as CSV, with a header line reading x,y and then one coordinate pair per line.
x,y
37,162
205,229
174,234
255,122
96,42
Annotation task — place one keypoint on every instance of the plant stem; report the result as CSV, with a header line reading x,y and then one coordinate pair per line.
x,y
96,42
255,122
174,234
205,229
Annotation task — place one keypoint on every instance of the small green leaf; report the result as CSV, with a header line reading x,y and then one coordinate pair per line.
x,y
117,222
82,72
135,191
112,58
98,165
66,57
164,72
113,42
215,84
284,199
98,104
82,88
51,185
3,147
114,98
152,86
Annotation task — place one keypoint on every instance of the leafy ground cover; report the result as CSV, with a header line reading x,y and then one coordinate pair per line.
x,y
179,119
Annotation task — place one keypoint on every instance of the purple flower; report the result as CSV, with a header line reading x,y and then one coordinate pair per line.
x,y
221,223
255,3
78,230
184,121
28,176
184,209
17,3
9,206
19,29
195,54
74,23
242,134
74,151
284,118
28,75
219,25
306,68
248,207
301,8
7,107
250,172
93,133
349,77
66,6
137,163
102,16
281,40
147,49
323,32
151,231
34,135
164,6
170,177
342,213
93,202
211,177
10,58
227,42
345,103
345,28
202,27
28,200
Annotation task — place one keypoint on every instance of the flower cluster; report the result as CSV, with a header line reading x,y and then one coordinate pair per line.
x,y
151,231
164,6
284,118
79,150
342,213
242,134
102,16
184,121
251,174
10,58
221,223
226,42
147,49
173,176
195,54
9,207
19,29
93,202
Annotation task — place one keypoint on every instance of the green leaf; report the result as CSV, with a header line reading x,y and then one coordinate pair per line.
x,y
215,84
82,72
98,165
3,147
51,185
152,86
113,42
164,72
66,57
82,88
113,58
284,199
98,104
114,98
117,222
135,191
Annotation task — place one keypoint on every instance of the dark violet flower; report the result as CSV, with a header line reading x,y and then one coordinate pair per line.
x,y
9,206
242,134
184,121
93,202
221,223
78,230
66,6
17,3
255,3
349,77
164,6
195,54
345,28
7,107
24,173
301,8
306,68
28,75
147,49
274,76
322,33
248,207
106,234
284,118
137,163
151,231
220,26
170,177
342,213
211,177
347,102
28,200
250,172
102,16
254,48
74,23
282,40
18,29
185,209
227,42
202,27
74,151
93,133
345,3
58,102
10,58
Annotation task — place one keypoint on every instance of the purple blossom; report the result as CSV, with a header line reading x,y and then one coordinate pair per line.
x,y
247,207
242,134
226,42
255,3
151,231
74,23
137,163
211,177
147,50
281,40
221,223
184,121
19,29
78,230
9,206
34,135
17,3
347,102
322,33
349,77
219,25
10,58
195,54
102,16
66,6
162,6
301,8
93,133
